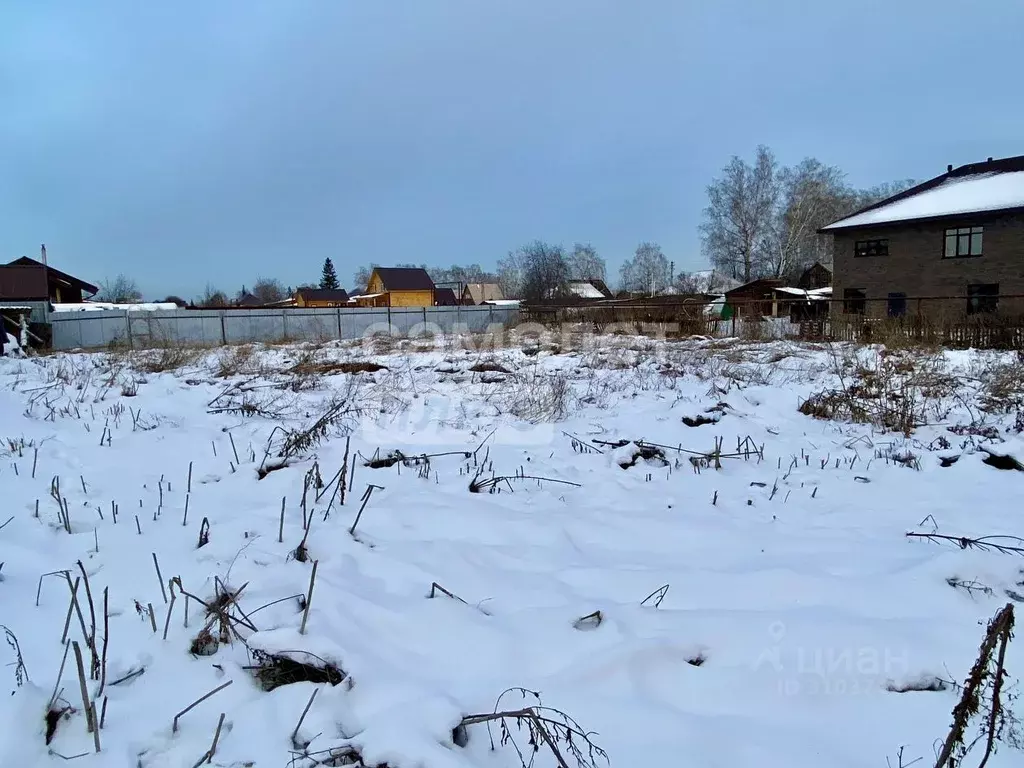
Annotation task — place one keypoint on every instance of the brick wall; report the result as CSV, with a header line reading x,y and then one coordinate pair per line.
x,y
915,264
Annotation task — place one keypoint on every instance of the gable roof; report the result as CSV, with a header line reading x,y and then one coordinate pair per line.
x,y
56,274
588,289
22,283
989,187
445,297
248,300
763,283
404,278
323,294
481,292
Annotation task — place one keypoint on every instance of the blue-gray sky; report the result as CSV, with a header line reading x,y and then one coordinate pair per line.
x,y
186,143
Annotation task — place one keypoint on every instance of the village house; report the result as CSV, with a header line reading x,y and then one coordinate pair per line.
x,y
31,288
953,244
770,297
26,279
478,293
445,297
321,297
398,287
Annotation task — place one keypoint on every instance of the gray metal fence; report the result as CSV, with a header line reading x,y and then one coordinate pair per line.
x,y
90,329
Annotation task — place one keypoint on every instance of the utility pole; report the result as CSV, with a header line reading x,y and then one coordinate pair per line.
x,y
46,277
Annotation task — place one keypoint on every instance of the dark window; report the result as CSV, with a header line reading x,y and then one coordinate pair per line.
x,y
963,242
982,298
864,248
897,306
854,301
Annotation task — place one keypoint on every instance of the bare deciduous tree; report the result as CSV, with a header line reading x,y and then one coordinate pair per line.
x,y
268,290
121,290
362,277
763,221
511,273
585,264
811,195
212,297
543,271
741,207
647,272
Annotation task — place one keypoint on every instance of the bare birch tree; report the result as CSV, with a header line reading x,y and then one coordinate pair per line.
x,y
585,264
811,195
738,218
647,272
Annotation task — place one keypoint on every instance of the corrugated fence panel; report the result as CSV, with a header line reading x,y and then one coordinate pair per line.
x,y
92,329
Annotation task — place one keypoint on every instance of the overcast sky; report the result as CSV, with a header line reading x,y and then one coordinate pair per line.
x,y
186,143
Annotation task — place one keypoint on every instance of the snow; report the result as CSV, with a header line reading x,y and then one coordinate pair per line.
x,y
969,194
812,294
95,306
584,290
11,347
503,302
788,575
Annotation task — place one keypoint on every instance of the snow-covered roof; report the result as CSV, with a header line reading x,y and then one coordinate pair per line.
x,y
584,290
975,193
814,294
503,302
95,306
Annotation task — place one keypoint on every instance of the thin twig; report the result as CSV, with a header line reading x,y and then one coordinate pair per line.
x,y
197,702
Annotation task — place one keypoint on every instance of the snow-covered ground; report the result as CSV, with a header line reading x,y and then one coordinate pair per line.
x,y
793,601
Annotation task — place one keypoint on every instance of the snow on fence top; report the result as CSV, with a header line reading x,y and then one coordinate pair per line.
x,y
967,194
96,306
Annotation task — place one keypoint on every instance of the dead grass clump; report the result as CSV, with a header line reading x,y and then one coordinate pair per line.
x,y
345,756
489,366
312,367
272,670
538,397
642,453
895,395
167,358
1003,388
711,415
204,644
233,361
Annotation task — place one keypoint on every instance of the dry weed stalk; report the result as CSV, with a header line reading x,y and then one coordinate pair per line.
x,y
983,698
545,727
992,543
197,702
337,414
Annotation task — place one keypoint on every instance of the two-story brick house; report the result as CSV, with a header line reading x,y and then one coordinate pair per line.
x,y
958,237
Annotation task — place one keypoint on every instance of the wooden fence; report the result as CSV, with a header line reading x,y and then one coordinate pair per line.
x,y
934,321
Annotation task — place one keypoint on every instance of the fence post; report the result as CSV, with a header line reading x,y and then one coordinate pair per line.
x,y
284,324
223,330
339,323
128,325
390,331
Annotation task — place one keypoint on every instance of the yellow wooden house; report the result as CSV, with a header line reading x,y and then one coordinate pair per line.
x,y
398,287
320,297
